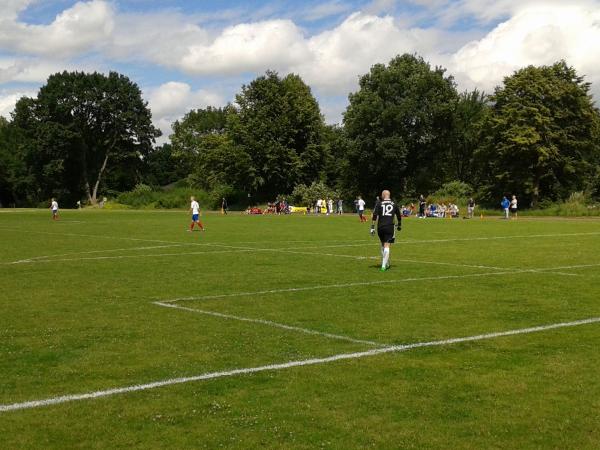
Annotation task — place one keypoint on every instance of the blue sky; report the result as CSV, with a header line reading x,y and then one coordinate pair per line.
x,y
190,54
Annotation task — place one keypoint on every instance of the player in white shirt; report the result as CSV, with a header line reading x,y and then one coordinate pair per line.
x,y
195,210
361,209
54,208
514,206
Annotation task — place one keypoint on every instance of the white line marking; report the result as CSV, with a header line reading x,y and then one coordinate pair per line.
x,y
429,241
371,283
37,258
291,250
100,258
234,249
286,365
415,241
271,324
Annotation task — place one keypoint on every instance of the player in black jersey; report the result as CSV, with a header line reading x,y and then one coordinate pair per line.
x,y
383,214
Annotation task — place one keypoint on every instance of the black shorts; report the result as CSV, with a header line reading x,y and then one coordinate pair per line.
x,y
386,234
513,210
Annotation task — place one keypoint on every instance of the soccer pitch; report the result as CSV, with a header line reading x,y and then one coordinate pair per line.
x,y
120,329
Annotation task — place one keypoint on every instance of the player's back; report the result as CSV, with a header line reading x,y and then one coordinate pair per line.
x,y
386,210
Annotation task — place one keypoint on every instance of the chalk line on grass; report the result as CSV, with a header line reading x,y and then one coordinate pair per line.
x,y
433,241
368,283
33,259
414,241
271,324
238,249
286,365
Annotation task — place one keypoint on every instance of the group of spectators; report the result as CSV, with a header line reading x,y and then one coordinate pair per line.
x,y
322,206
443,210
433,210
279,206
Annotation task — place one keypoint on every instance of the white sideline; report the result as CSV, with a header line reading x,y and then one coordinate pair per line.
x,y
432,241
238,249
286,365
271,324
369,283
415,241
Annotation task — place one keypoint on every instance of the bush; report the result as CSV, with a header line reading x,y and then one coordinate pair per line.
x,y
452,192
179,197
307,195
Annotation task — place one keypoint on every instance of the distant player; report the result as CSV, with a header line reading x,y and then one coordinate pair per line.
x,y
54,208
422,205
470,208
383,214
224,206
505,204
195,210
361,209
514,207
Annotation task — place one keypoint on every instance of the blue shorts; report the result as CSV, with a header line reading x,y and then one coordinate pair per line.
x,y
195,217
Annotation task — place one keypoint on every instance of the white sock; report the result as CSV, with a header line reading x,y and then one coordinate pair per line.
x,y
386,257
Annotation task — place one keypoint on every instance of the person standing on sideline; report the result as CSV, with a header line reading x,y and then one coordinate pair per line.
x,y
422,205
224,206
361,209
340,206
505,205
514,206
195,210
383,214
54,208
329,206
470,208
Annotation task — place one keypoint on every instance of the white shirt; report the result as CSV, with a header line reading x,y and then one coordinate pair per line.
x,y
361,204
513,203
54,205
195,207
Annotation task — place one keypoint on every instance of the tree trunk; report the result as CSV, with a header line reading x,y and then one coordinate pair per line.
x,y
93,198
87,191
535,197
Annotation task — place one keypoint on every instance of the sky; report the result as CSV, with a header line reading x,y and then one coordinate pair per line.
x,y
192,54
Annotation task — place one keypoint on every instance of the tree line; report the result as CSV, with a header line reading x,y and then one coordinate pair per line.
x,y
407,128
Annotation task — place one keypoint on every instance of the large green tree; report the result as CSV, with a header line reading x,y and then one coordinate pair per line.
x,y
467,130
203,144
14,180
398,123
543,130
82,126
277,124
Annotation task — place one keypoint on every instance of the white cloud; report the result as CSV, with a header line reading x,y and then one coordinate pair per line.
x,y
531,32
340,55
171,101
248,47
162,38
83,27
9,98
536,35
32,70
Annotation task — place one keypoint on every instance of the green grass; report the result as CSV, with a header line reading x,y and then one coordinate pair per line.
x,y
74,322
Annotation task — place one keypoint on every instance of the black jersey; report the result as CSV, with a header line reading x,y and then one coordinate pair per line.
x,y
385,212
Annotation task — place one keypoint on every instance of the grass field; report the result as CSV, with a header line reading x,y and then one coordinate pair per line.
x,y
281,332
